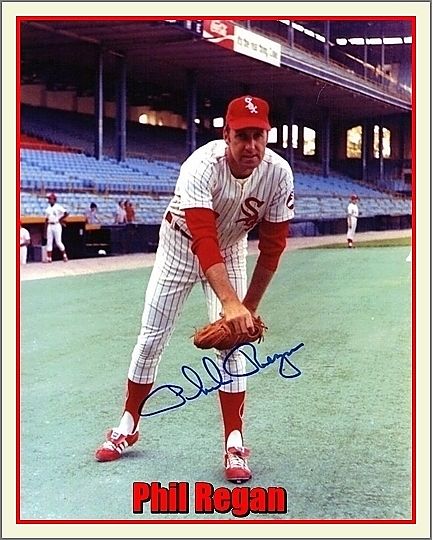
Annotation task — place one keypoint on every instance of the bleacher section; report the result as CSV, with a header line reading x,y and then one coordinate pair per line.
x,y
325,207
149,182
315,184
76,130
60,171
52,170
106,181
80,179
35,143
319,197
149,209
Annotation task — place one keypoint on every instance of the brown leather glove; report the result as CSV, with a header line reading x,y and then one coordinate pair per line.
x,y
220,335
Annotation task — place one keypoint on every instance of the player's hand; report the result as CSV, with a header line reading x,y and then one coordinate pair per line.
x,y
252,311
238,316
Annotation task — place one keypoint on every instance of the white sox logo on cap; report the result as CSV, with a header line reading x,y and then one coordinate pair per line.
x,y
250,105
248,112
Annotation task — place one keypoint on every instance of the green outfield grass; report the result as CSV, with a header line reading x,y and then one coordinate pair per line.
x,y
337,438
382,242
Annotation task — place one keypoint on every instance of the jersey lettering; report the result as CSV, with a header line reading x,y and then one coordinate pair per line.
x,y
250,211
290,201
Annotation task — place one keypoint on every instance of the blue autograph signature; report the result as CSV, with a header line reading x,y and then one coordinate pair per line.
x,y
287,370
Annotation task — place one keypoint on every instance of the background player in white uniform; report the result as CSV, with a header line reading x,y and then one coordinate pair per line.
x,y
352,215
224,189
24,242
55,215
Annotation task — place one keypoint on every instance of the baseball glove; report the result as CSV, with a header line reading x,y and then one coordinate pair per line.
x,y
220,335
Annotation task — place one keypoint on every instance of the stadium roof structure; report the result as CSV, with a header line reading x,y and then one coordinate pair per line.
x,y
159,56
370,30
356,28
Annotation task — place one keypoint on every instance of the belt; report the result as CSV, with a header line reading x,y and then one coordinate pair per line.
x,y
53,222
169,218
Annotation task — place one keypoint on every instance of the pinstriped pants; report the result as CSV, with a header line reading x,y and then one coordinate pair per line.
x,y
175,272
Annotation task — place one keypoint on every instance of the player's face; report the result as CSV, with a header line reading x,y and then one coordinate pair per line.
x,y
245,149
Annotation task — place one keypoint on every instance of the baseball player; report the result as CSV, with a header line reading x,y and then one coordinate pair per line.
x,y
352,215
223,190
24,242
55,216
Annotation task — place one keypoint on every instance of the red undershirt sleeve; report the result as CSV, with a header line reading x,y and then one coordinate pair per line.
x,y
201,223
271,244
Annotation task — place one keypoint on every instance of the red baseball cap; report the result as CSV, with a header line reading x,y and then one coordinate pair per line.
x,y
52,196
248,112
354,197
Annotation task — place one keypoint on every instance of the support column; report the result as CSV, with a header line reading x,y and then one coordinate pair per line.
x,y
98,108
364,151
280,135
290,33
402,144
289,152
121,111
300,139
370,152
191,111
381,157
365,60
327,41
382,79
325,143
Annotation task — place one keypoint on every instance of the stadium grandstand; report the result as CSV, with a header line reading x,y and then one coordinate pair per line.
x,y
111,108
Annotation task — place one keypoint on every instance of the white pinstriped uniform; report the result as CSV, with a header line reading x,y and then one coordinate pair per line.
x,y
24,237
54,229
205,181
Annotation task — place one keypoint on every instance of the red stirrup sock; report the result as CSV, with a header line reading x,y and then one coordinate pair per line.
x,y
135,396
232,406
